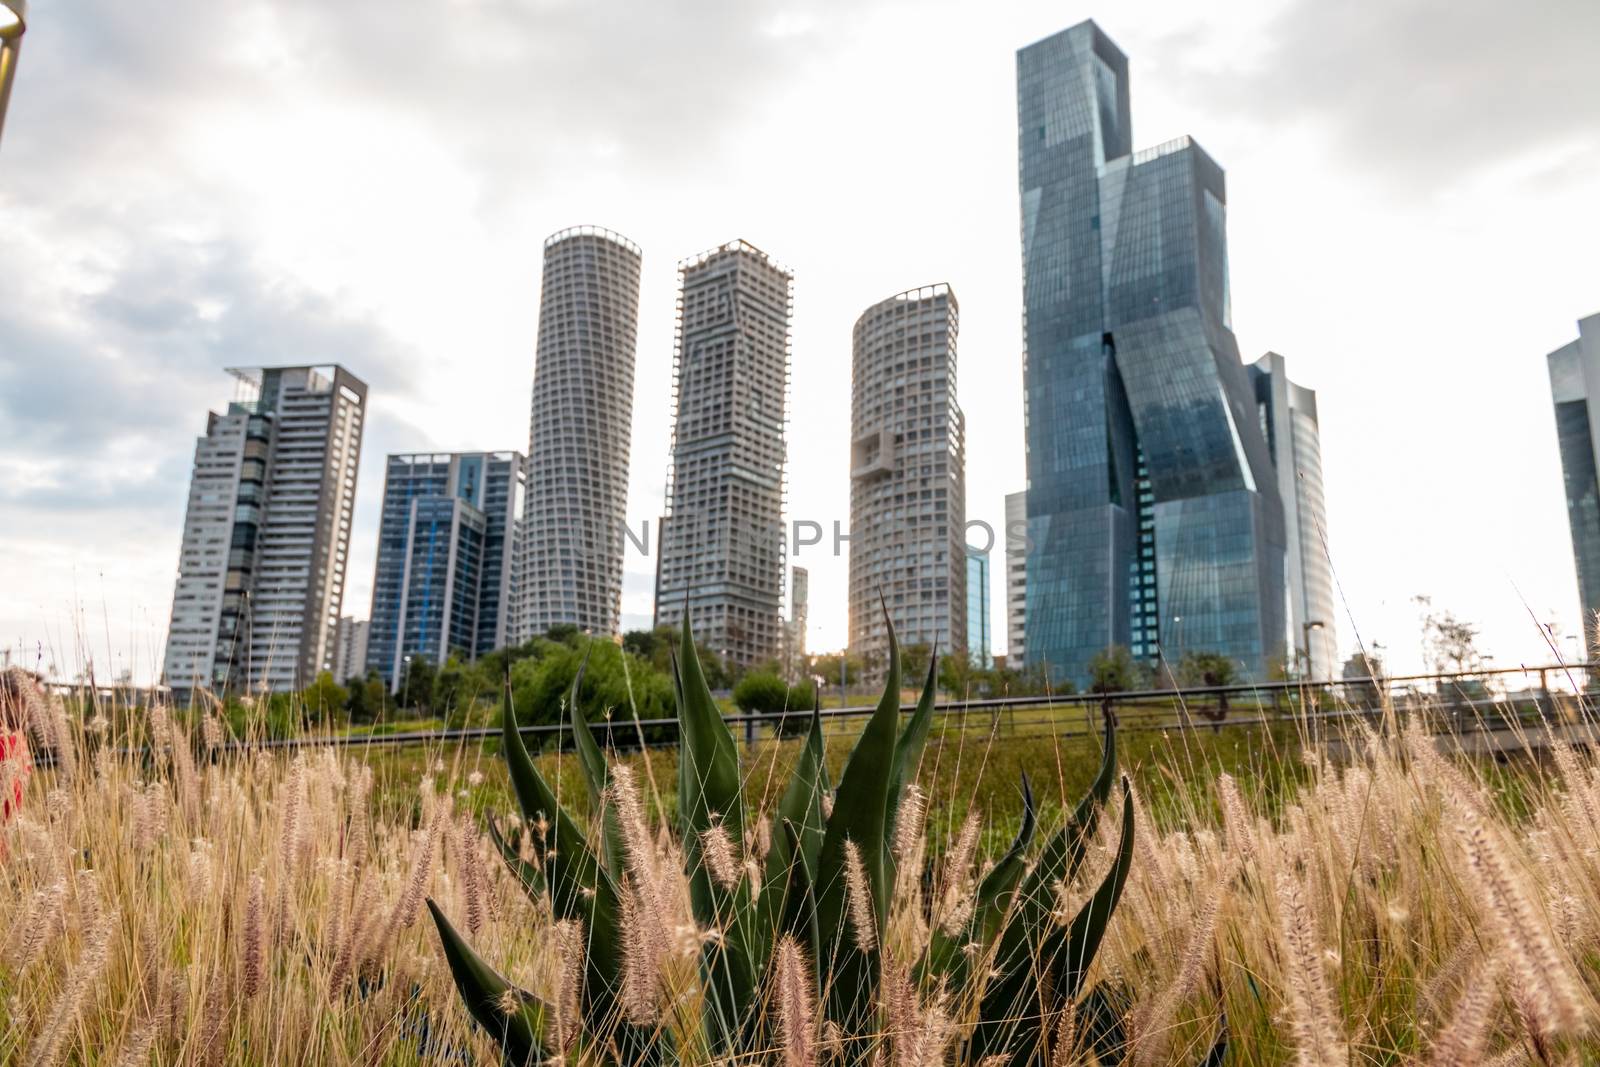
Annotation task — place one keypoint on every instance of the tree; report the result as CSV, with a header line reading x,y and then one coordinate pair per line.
x,y
827,667
456,688
539,687
1450,644
369,698
1209,669
1115,671
761,693
325,699
416,688
956,674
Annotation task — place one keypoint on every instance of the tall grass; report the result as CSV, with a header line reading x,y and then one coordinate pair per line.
x,y
166,898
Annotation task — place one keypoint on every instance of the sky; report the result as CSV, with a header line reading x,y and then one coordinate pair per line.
x,y
1411,210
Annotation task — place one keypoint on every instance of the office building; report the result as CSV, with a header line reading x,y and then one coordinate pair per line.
x,y
1288,417
722,549
1575,388
266,537
580,433
1016,576
907,478
1153,507
979,647
445,580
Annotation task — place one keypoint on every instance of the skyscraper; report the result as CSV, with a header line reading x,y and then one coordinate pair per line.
x,y
907,477
580,433
1288,416
978,644
1575,388
1016,576
445,581
266,537
1152,504
722,549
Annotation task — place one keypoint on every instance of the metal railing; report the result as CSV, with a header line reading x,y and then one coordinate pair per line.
x,y
1462,699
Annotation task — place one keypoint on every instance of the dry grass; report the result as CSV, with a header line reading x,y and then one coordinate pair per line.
x,y
196,907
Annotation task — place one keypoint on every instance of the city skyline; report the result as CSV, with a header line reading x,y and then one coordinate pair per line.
x,y
224,266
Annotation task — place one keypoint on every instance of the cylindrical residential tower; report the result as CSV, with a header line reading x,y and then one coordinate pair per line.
x,y
580,433
907,478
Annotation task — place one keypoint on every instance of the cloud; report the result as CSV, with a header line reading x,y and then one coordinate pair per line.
x,y
103,391
1418,93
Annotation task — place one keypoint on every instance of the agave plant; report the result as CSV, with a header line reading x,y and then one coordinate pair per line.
x,y
1009,969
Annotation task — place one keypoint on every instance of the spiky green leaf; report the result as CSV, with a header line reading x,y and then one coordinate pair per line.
x,y
860,815
710,796
526,874
950,956
515,1019
800,807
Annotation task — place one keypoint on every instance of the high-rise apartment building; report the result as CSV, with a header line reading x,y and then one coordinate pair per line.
x,y
1575,388
794,631
350,649
1153,506
266,537
979,648
907,478
445,580
1016,576
1288,416
580,433
722,547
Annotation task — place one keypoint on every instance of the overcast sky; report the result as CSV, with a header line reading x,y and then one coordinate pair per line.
x,y
1412,214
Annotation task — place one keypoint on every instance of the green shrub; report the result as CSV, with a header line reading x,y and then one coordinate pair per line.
x,y
761,694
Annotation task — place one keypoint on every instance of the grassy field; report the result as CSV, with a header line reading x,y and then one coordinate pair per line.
x,y
185,905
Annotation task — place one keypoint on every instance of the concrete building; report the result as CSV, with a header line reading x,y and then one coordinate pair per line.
x,y
445,576
1575,388
1288,416
722,547
979,647
350,649
1153,505
794,631
580,433
1016,576
907,478
261,573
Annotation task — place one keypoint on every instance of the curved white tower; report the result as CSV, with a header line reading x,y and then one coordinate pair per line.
x,y
580,433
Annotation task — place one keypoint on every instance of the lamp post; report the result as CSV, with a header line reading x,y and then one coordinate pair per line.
x,y
13,23
1305,640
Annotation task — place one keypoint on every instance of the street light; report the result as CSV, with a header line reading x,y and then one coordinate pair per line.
x,y
13,23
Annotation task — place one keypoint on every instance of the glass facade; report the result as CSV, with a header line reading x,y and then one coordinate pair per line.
x,y
446,544
1575,388
1288,416
1154,519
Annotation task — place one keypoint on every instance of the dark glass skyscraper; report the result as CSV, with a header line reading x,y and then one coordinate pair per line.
x,y
444,581
1153,511
1575,388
